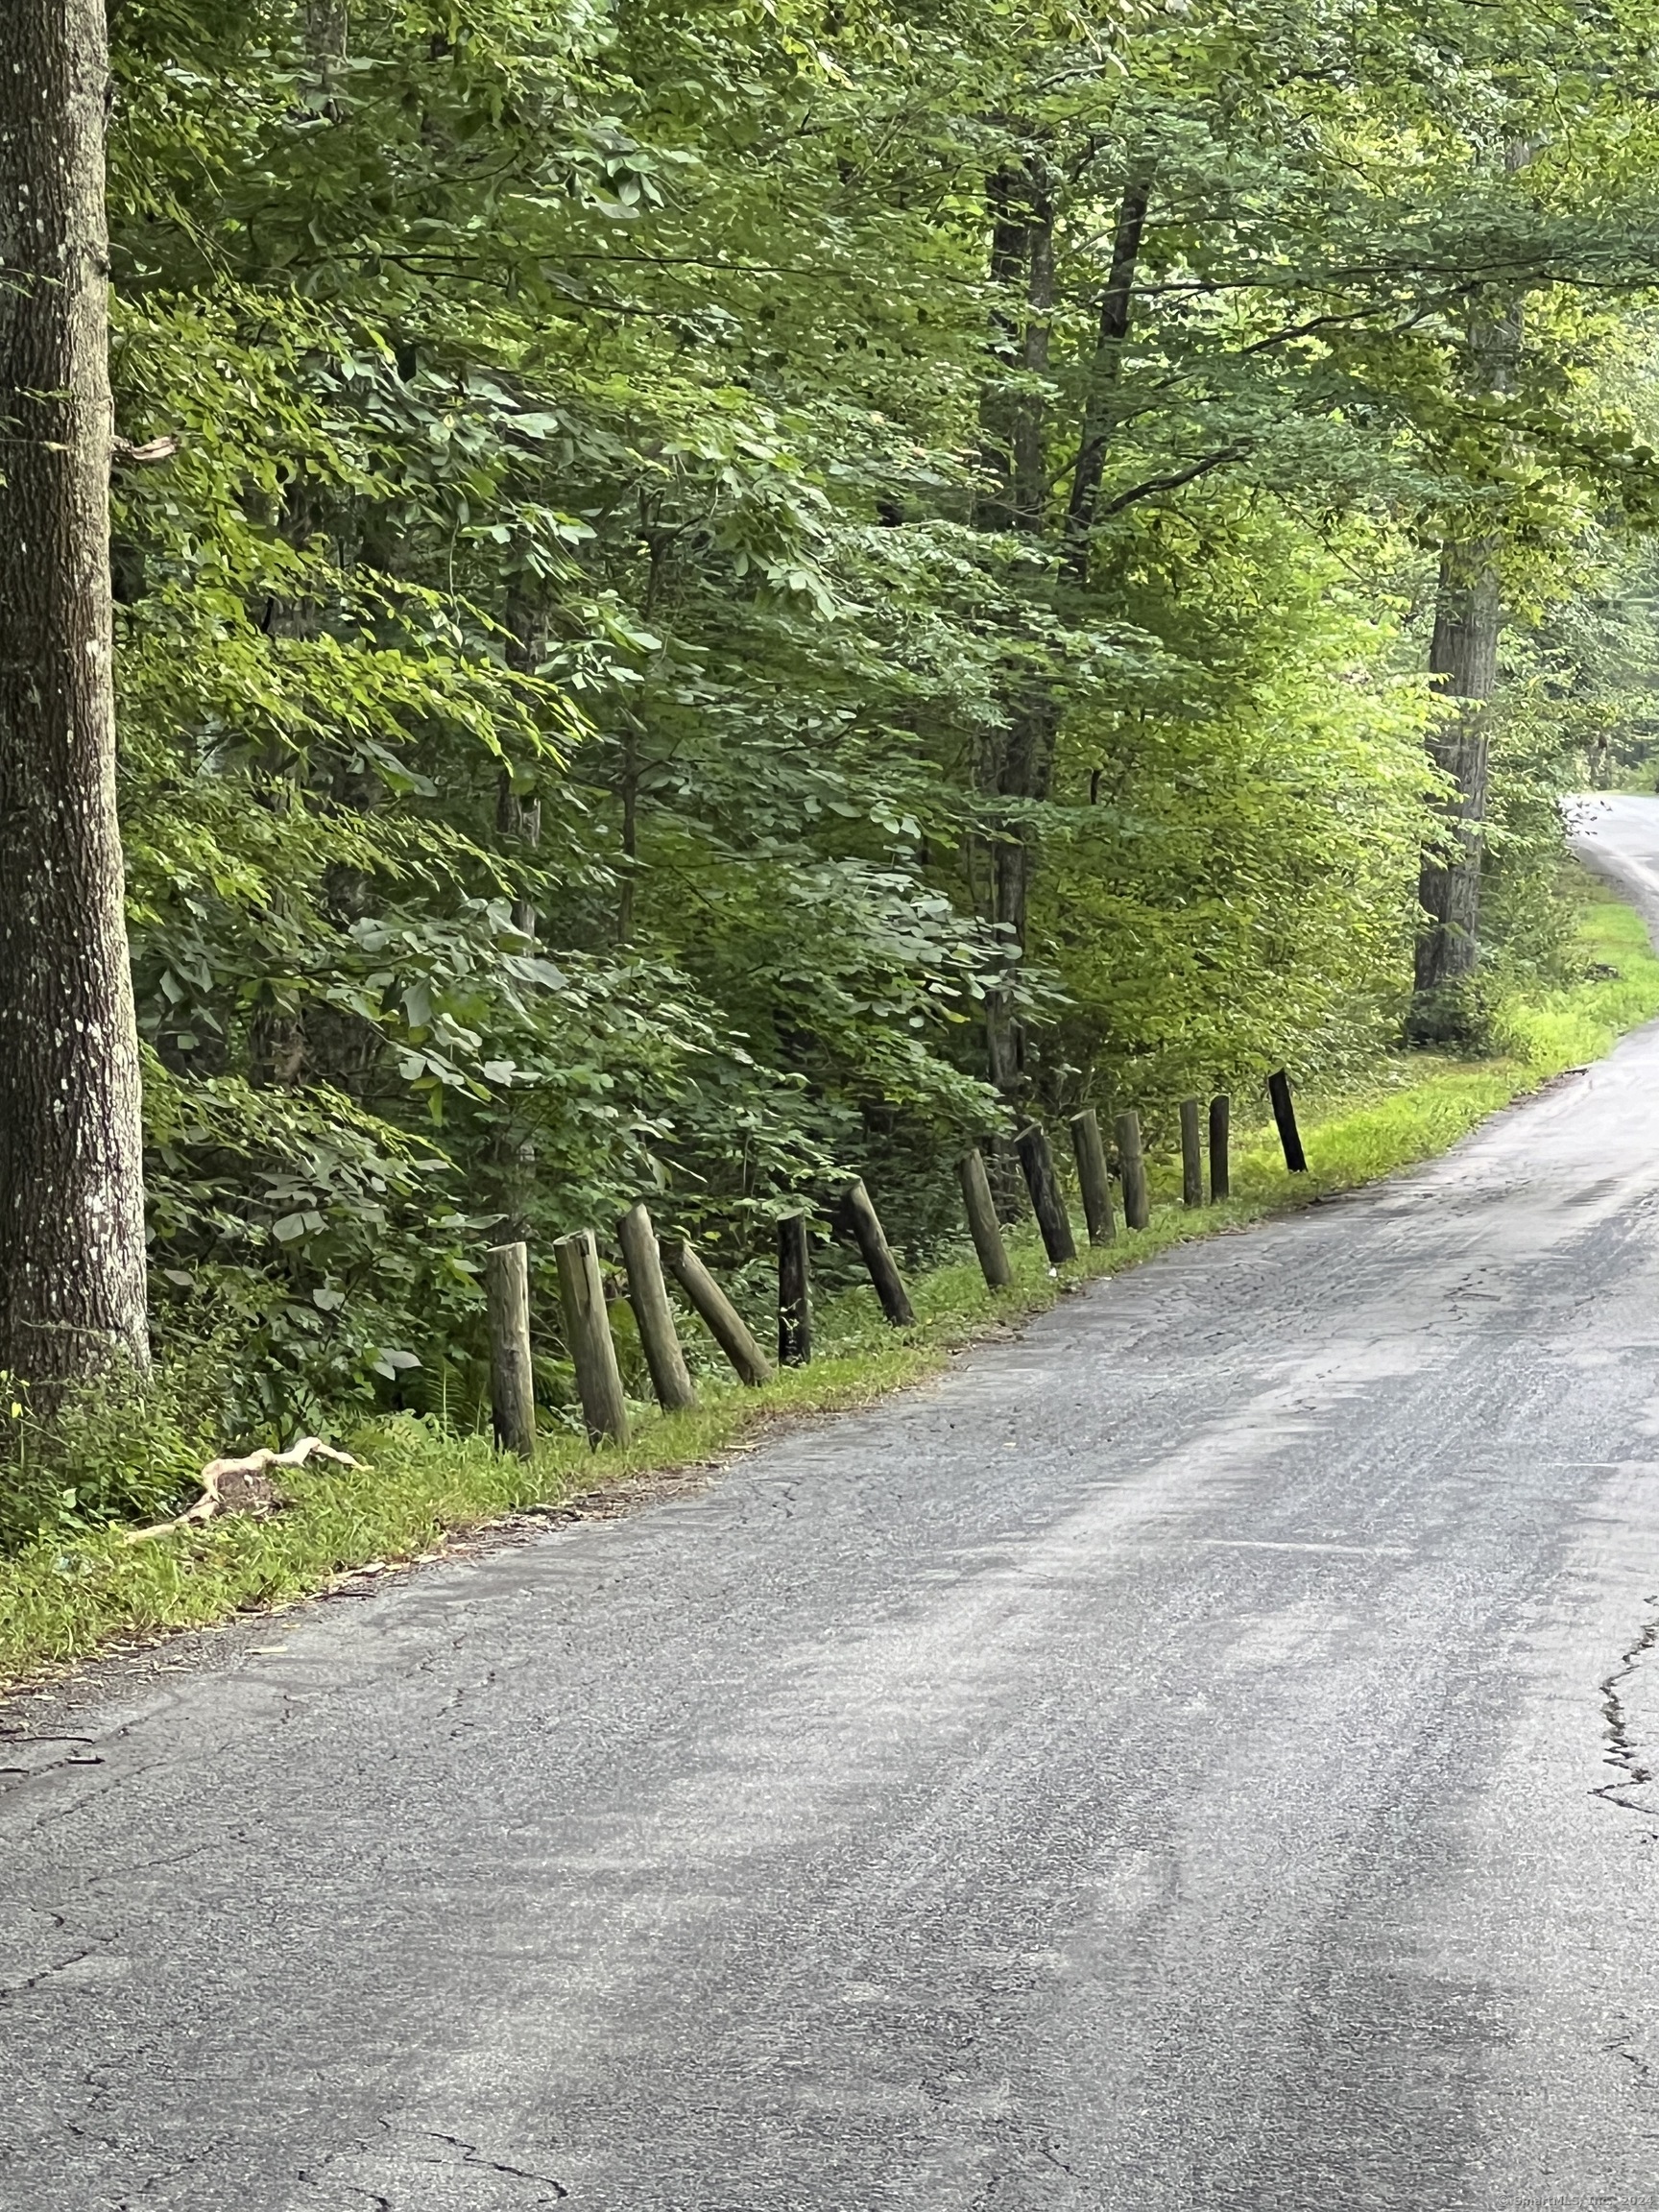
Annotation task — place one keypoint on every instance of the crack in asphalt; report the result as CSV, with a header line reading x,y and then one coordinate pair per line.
x,y
472,2155
1622,1748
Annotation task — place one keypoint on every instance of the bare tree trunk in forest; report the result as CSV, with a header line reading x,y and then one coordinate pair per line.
x,y
1463,661
1015,459
72,1291
1116,302
519,822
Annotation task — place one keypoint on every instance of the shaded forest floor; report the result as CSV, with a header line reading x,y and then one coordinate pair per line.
x,y
424,1491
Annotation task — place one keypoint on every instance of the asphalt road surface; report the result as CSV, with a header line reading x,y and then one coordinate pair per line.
x,y
1196,1755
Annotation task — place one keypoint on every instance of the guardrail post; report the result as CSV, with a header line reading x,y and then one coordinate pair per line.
x,y
794,1292
1220,1166
511,1381
716,1311
983,1225
866,1223
1285,1115
1192,1155
588,1333
648,1295
1038,1161
1094,1177
1132,1167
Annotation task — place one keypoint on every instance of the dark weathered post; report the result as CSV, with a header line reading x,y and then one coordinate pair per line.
x,y
1132,1166
1192,1155
1221,1167
794,1292
588,1333
511,1382
1285,1115
716,1311
866,1225
1094,1177
1041,1180
648,1295
983,1225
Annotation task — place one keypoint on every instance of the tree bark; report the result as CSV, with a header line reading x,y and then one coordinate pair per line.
x,y
72,1293
1463,662
1116,302
1019,765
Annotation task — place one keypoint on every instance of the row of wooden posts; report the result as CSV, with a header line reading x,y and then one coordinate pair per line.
x,y
645,1256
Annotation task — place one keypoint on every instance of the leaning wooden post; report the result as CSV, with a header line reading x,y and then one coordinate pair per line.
x,y
983,1225
1094,1177
1192,1155
794,1292
588,1333
1038,1161
1221,1167
716,1311
511,1381
1285,1115
648,1295
1132,1166
866,1224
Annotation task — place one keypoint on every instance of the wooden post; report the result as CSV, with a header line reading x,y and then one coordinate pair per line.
x,y
719,1316
512,1382
1192,1155
1285,1115
1052,1219
878,1258
648,1295
1093,1178
983,1225
1221,1167
1132,1166
588,1333
794,1292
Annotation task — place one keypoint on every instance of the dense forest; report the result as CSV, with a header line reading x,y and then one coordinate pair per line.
x,y
711,594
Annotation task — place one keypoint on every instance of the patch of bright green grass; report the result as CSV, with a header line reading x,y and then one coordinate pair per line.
x,y
60,1601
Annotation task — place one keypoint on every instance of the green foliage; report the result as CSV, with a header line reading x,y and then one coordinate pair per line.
x,y
617,610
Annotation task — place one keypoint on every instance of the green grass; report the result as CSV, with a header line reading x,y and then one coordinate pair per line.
x,y
63,1600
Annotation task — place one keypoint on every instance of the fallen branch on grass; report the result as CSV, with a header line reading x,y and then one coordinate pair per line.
x,y
244,1486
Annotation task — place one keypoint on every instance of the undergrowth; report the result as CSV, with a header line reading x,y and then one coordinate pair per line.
x,y
77,1586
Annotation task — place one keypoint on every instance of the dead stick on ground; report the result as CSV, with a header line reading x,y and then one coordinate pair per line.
x,y
243,1485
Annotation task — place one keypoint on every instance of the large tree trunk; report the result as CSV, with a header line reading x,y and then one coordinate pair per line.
x,y
1463,662
1116,302
1018,765
72,1171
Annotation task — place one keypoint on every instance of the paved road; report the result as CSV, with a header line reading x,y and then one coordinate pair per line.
x,y
1192,1757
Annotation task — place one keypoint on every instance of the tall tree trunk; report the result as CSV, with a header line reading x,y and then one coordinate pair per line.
x,y
1018,765
1463,661
1116,302
71,1163
1463,664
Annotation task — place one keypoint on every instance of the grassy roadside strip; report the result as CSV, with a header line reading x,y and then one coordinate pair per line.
x,y
62,1599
